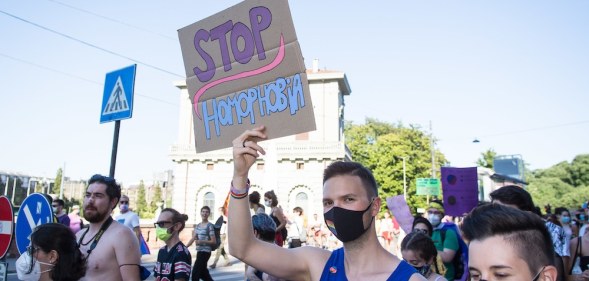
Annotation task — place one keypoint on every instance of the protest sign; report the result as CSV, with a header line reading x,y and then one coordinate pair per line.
x,y
460,188
399,208
244,68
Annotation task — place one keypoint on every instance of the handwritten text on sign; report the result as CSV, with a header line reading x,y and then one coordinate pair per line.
x,y
244,65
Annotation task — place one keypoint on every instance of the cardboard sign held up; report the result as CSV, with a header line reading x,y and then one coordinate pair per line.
x,y
399,208
460,188
244,68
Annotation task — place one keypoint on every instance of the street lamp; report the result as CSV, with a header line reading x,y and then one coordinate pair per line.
x,y
404,177
404,181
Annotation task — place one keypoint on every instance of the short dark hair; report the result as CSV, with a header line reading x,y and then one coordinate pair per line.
x,y
71,264
340,168
206,208
524,231
559,210
177,217
420,219
298,209
270,194
421,244
265,226
513,195
113,189
254,197
59,202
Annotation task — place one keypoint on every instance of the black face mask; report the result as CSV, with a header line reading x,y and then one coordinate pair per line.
x,y
423,270
346,225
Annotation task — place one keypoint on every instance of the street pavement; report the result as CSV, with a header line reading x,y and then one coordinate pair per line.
x,y
233,272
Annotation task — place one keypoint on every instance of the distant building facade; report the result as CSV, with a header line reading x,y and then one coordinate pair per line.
x,y
292,167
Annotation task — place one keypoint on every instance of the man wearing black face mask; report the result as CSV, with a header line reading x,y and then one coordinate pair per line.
x,y
350,202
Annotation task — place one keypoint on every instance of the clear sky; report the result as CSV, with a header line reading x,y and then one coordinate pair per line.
x,y
514,74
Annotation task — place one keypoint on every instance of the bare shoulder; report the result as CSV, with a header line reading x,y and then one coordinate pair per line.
x,y
316,259
419,277
120,229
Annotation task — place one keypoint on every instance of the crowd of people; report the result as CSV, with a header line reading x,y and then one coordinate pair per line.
x,y
505,239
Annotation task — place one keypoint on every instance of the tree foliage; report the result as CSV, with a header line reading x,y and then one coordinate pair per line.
x,y
157,198
57,183
562,185
487,158
142,206
381,147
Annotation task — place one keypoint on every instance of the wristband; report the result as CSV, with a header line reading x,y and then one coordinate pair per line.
x,y
238,194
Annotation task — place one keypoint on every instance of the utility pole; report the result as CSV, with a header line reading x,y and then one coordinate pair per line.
x,y
433,152
62,182
6,185
13,190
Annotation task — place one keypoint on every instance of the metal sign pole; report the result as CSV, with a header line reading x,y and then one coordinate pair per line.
x,y
115,144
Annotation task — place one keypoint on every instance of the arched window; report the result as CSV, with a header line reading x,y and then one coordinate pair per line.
x,y
209,200
302,200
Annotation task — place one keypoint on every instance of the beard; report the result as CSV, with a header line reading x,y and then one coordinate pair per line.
x,y
94,215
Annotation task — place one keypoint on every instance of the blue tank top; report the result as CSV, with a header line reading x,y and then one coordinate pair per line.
x,y
334,269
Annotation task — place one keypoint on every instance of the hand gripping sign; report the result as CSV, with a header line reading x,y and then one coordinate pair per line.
x,y
244,68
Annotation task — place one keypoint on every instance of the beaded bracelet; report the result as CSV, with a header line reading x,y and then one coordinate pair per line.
x,y
238,194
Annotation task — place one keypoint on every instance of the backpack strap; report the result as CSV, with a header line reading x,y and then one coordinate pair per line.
x,y
443,236
209,228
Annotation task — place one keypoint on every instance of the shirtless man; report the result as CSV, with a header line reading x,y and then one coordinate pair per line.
x,y
350,203
113,253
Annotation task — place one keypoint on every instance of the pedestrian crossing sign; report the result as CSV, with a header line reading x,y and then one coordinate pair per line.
x,y
117,101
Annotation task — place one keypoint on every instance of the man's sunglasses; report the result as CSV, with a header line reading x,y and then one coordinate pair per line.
x,y
161,223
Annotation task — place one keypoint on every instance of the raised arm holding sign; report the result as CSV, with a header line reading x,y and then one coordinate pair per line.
x,y
350,204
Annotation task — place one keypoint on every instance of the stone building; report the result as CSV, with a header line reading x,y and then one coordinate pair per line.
x,y
292,167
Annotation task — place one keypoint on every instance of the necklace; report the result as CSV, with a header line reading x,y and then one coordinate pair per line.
x,y
103,228
84,235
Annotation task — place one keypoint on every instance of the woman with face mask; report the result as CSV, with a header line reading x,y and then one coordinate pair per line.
x,y
419,251
174,259
276,213
445,237
52,255
568,225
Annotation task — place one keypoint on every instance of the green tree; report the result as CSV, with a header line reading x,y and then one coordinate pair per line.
x,y
157,198
487,158
560,171
142,207
562,185
381,147
57,183
579,170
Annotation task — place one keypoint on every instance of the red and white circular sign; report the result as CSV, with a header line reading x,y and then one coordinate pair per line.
x,y
6,225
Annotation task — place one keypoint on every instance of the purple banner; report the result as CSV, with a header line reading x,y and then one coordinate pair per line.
x,y
460,189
